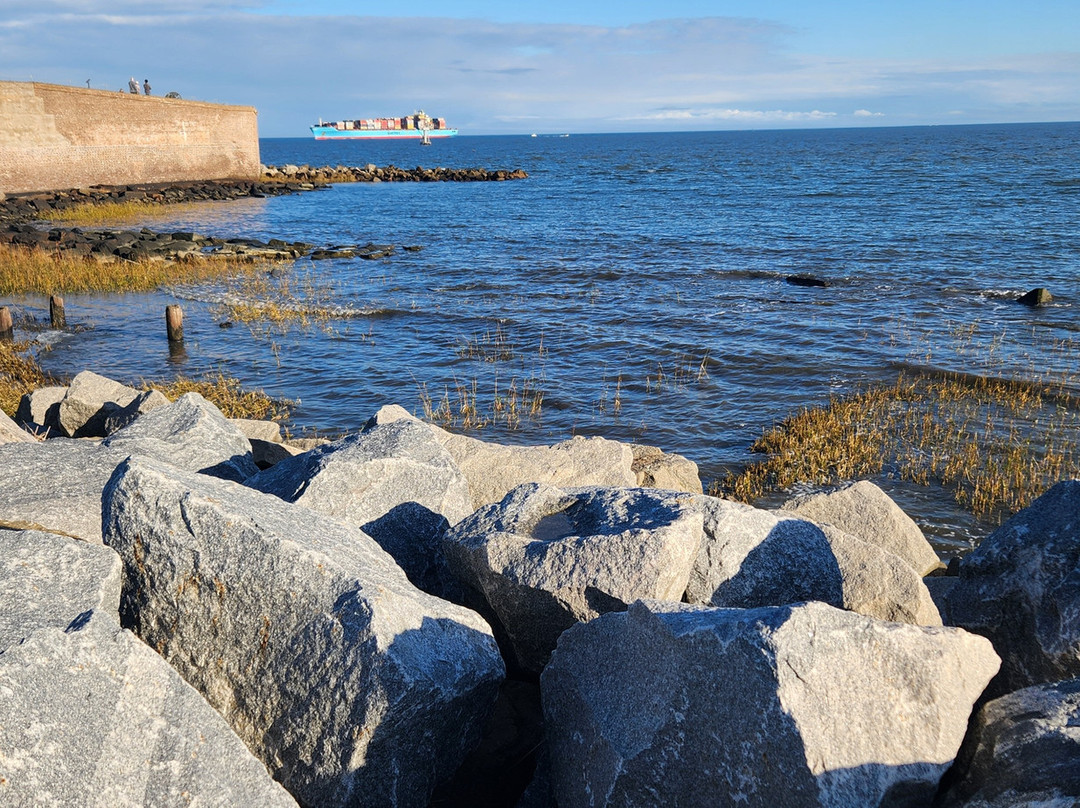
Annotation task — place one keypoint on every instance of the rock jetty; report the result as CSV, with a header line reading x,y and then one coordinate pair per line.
x,y
372,173
19,212
194,610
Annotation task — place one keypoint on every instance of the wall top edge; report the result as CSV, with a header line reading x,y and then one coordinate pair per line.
x,y
129,97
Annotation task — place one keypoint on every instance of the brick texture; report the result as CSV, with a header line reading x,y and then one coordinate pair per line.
x,y
54,137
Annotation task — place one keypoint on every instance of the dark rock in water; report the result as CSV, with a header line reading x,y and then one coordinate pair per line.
x,y
1036,297
806,280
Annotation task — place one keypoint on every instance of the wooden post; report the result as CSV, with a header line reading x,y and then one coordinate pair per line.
x,y
56,312
174,323
7,329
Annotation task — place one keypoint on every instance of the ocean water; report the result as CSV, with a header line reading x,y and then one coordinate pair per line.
x,y
638,281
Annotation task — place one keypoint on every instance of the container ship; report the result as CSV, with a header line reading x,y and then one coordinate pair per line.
x,y
419,126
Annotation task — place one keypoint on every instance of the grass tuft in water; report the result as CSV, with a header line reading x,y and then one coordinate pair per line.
x,y
29,271
996,444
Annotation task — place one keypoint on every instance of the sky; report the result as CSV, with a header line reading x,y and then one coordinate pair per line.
x,y
564,66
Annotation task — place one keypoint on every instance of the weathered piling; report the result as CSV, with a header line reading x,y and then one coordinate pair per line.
x,y
7,328
174,323
57,317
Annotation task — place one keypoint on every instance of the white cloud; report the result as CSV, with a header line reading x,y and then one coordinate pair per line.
x,y
734,115
491,77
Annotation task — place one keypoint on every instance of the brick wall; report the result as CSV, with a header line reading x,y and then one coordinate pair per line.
x,y
54,137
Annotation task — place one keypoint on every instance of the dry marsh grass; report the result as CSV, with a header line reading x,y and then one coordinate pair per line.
x,y
103,213
281,300
29,271
464,409
995,444
20,373
226,393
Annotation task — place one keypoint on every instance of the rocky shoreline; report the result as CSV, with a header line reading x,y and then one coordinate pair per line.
x,y
18,212
409,617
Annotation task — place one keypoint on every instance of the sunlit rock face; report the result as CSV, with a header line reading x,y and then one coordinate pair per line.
x,y
803,705
351,685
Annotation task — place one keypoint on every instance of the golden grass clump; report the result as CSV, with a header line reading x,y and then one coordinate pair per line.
x,y
107,213
19,374
226,393
280,301
996,444
29,271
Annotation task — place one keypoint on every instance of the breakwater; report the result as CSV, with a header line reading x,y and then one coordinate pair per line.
x,y
451,621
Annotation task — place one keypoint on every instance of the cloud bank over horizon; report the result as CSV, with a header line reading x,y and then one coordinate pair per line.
x,y
512,77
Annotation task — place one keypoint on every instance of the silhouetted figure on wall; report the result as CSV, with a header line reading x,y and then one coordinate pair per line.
x,y
146,86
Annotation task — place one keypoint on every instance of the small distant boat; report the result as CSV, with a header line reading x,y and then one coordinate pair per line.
x,y
425,140
533,134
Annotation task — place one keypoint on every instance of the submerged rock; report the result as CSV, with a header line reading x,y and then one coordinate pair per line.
x,y
1036,297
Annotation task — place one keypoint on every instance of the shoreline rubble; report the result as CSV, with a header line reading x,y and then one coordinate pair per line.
x,y
383,619
18,212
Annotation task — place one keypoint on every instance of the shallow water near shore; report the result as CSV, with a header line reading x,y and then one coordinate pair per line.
x,y
638,282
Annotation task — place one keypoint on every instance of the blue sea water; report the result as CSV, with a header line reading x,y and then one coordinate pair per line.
x,y
639,280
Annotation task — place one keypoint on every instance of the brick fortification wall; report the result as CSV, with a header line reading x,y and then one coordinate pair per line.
x,y
54,138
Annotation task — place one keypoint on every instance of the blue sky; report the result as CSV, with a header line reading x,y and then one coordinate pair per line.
x,y
562,66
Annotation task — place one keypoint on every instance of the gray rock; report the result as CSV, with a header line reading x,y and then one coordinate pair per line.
x,y
1022,749
54,581
55,485
95,718
804,705
267,431
351,685
267,454
81,410
191,433
117,417
939,587
750,557
394,481
1021,588
493,470
545,558
39,410
866,512
11,432
655,468
880,584
306,444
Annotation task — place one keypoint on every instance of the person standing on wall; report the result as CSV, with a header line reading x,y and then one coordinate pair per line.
x,y
146,86
133,86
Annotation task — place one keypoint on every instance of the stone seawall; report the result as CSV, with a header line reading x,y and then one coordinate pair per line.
x,y
54,137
